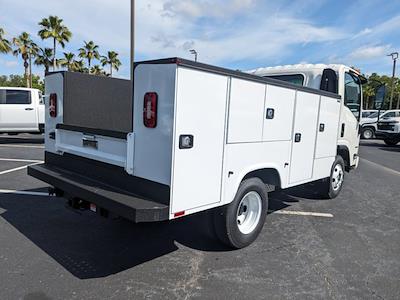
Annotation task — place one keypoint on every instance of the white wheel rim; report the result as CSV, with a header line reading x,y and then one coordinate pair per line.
x,y
368,134
337,177
249,212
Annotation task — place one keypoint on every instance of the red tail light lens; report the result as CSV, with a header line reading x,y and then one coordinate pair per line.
x,y
150,110
53,105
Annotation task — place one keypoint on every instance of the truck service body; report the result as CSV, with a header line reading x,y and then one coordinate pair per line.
x,y
198,137
21,110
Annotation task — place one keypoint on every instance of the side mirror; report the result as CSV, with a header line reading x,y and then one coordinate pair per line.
x,y
380,94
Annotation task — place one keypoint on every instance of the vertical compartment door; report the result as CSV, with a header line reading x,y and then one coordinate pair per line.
x,y
304,137
198,139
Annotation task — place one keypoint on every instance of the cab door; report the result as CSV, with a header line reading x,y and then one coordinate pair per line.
x,y
18,111
349,132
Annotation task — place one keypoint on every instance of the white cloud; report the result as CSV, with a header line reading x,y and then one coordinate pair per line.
x,y
202,8
370,52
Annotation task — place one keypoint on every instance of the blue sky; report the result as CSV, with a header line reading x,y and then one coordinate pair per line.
x,y
238,34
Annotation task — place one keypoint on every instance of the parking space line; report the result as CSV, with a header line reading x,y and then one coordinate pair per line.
x,y
301,213
20,160
380,166
21,146
15,192
19,168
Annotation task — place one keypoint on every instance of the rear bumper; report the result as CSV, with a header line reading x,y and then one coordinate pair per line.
x,y
121,202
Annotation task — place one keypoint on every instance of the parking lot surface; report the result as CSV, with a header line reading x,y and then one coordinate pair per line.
x,y
309,248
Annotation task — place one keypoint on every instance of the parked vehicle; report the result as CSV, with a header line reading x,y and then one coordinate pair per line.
x,y
366,113
21,110
200,138
389,128
370,124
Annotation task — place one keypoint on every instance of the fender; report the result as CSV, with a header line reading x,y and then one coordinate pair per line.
x,y
268,173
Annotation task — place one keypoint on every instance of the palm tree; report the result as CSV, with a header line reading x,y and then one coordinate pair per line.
x,y
5,45
369,92
89,51
112,60
97,70
26,48
68,60
44,57
53,28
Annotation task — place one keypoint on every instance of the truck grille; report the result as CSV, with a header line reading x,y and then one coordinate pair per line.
x,y
387,127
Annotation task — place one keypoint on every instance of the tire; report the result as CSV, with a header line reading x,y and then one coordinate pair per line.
x,y
238,224
332,186
390,142
368,133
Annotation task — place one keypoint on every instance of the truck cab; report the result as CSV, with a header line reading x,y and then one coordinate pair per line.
x,y
21,110
339,79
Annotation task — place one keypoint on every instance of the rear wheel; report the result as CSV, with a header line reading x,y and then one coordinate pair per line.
x,y
239,223
332,186
390,142
368,133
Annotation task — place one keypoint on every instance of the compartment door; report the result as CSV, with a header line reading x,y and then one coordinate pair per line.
x,y
304,137
198,139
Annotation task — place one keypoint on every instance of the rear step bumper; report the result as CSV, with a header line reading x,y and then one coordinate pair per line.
x,y
115,200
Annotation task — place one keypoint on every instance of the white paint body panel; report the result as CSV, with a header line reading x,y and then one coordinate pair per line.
x,y
329,116
153,146
109,150
246,111
22,117
281,100
243,158
54,84
200,109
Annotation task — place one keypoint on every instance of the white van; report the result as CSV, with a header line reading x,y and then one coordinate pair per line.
x,y
195,137
21,110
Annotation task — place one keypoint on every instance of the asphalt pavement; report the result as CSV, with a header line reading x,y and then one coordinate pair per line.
x,y
347,248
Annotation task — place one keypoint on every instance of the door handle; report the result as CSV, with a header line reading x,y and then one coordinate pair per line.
x,y
29,108
297,138
343,128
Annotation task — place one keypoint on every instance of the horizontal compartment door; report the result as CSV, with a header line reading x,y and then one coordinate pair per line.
x,y
101,148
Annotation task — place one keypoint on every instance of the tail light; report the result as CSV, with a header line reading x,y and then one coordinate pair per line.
x,y
53,105
150,110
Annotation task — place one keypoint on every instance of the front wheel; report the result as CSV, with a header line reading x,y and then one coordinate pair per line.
x,y
368,133
332,186
239,223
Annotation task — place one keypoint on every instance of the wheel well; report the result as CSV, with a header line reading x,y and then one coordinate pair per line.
x,y
343,151
268,176
369,127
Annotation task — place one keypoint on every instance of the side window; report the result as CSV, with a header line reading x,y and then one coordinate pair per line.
x,y
17,97
352,94
389,115
297,79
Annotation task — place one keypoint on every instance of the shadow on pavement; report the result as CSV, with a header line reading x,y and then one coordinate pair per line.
x,y
89,246
391,149
31,139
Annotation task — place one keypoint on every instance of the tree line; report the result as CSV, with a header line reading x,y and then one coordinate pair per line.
x,y
369,90
87,60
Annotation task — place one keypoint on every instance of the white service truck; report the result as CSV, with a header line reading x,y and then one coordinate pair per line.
x,y
21,110
195,137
